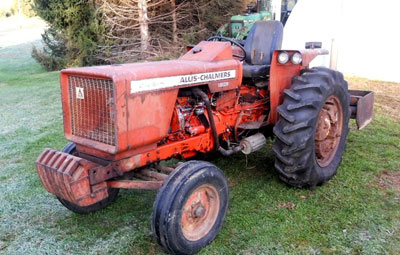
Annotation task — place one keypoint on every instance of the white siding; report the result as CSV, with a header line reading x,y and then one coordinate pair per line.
x,y
6,4
366,34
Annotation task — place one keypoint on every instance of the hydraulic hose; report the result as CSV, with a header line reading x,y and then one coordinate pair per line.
x,y
199,93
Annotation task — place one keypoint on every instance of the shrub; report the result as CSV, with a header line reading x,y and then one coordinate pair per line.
x,y
75,28
52,56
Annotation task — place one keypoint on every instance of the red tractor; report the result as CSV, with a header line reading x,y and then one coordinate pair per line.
x,y
221,96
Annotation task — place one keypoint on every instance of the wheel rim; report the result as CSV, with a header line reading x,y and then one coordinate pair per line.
x,y
200,212
329,131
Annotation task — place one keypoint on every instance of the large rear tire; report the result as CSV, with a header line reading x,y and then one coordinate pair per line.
x,y
190,208
312,129
70,148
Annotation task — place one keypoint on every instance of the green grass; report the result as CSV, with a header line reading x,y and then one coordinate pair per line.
x,y
351,214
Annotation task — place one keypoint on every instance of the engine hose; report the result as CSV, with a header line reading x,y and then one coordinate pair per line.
x,y
198,92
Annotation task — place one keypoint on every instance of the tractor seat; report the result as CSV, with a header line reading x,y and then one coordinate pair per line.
x,y
264,38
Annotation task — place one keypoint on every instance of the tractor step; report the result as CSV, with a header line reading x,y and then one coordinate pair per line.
x,y
362,107
67,177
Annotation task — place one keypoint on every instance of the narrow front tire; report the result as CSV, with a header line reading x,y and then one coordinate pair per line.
x,y
190,208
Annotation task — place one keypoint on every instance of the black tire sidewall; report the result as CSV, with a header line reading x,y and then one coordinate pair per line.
x,y
168,228
112,196
296,160
178,204
70,148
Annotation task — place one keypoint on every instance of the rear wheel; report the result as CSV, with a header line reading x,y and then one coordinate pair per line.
x,y
190,207
70,148
312,129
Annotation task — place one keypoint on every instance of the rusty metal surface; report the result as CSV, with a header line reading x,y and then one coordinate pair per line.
x,y
226,100
127,103
200,212
180,143
83,182
280,79
126,184
101,174
329,131
164,168
201,143
123,117
251,125
362,107
148,174
66,177
209,52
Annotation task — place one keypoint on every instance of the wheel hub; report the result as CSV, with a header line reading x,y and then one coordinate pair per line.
x,y
200,212
329,131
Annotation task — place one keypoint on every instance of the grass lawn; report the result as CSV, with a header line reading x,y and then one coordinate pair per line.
x,y
357,212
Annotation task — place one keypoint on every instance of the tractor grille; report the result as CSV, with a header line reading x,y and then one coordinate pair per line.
x,y
91,109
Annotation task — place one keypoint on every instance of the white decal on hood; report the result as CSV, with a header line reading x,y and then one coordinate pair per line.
x,y
175,81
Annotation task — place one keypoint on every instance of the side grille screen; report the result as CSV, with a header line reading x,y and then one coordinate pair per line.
x,y
91,109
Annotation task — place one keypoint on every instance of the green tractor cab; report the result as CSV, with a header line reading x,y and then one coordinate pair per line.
x,y
239,26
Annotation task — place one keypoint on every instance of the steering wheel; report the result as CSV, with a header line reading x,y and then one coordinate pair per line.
x,y
233,42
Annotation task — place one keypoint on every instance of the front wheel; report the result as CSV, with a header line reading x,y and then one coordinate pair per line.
x,y
312,129
190,207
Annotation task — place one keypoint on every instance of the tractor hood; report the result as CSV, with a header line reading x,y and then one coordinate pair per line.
x,y
99,103
207,63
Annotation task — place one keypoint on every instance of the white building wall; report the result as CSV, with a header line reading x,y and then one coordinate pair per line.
x,y
366,34
6,4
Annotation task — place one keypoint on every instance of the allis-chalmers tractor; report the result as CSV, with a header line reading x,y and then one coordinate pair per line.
x,y
221,96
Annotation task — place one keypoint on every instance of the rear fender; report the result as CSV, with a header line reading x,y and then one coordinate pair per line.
x,y
281,76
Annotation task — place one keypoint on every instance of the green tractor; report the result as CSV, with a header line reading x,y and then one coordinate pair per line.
x,y
240,25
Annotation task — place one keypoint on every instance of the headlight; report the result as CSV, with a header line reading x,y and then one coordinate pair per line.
x,y
297,58
283,57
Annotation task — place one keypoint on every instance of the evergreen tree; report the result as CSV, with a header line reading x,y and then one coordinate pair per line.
x,y
75,27
84,32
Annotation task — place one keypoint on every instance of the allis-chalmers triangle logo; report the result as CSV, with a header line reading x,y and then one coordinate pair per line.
x,y
80,93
